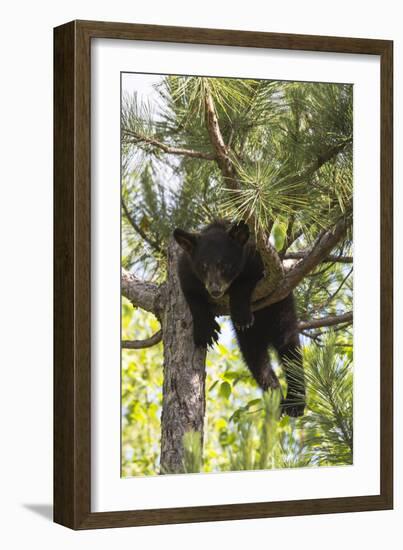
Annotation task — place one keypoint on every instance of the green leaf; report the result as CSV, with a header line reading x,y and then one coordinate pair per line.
x,y
253,403
231,375
278,234
225,390
236,417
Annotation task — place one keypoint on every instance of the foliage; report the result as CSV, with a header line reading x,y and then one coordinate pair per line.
x,y
193,452
141,396
291,148
243,428
291,144
328,428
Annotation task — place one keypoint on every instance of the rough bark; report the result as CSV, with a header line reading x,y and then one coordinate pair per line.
x,y
142,294
184,373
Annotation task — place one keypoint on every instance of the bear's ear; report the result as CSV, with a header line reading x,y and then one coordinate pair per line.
x,y
185,240
239,232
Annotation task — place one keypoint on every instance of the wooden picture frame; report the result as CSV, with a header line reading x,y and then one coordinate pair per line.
x,y
72,272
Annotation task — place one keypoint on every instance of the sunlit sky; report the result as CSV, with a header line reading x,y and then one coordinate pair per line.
x,y
143,85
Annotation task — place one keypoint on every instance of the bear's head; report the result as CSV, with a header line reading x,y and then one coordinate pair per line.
x,y
217,254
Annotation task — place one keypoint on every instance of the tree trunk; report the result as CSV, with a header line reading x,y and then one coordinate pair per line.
x,y
184,399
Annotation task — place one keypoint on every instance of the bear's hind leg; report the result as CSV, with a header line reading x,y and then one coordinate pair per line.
x,y
262,371
254,348
266,377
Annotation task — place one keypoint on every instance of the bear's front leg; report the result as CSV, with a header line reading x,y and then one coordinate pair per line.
x,y
205,328
240,297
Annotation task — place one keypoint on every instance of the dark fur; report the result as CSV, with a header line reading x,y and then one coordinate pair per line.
x,y
222,260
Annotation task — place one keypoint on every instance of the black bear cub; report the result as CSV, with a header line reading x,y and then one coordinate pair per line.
x,y
221,260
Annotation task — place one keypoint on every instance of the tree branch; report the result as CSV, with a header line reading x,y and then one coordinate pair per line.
x,y
272,264
142,294
331,258
335,293
138,229
221,150
331,320
323,245
140,344
319,251
140,138
331,153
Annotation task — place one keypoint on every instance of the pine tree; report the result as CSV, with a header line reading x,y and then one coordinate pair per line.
x,y
275,154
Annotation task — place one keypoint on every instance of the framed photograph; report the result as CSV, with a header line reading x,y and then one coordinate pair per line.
x,y
222,213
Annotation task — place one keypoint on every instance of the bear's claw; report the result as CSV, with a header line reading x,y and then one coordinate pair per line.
x,y
245,326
